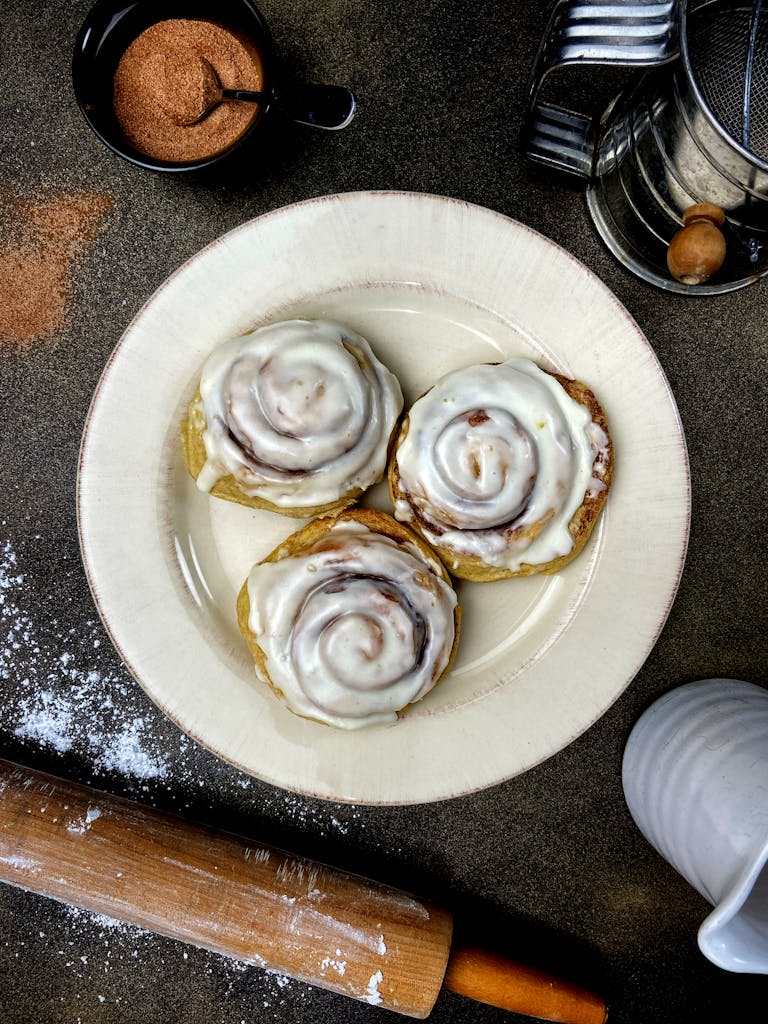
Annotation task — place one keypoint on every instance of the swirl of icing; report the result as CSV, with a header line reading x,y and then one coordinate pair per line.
x,y
354,628
299,412
496,460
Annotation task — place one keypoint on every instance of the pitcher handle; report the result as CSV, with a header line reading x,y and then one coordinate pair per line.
x,y
623,33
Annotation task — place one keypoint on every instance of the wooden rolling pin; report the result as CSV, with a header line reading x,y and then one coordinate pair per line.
x,y
255,903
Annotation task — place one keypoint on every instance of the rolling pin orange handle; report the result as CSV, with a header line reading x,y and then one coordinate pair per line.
x,y
500,982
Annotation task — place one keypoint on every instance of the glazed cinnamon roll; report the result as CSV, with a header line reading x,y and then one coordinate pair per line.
x,y
296,417
350,619
503,468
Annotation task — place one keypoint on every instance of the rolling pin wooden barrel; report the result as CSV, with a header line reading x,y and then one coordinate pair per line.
x,y
255,903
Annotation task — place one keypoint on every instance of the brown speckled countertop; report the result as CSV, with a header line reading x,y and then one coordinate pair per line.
x,y
548,865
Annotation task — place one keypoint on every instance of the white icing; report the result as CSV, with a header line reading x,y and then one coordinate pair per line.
x,y
354,629
600,446
299,412
492,451
598,441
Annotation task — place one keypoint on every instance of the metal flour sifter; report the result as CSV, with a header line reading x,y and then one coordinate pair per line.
x,y
691,128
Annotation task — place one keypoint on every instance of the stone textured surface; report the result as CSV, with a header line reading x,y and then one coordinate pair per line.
x,y
549,865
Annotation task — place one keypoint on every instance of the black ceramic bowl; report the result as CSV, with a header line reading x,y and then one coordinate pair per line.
x,y
112,25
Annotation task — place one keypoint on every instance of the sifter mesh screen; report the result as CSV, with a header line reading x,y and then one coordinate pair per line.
x,y
718,43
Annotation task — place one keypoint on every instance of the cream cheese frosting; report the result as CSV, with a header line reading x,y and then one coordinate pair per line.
x,y
299,412
354,629
497,459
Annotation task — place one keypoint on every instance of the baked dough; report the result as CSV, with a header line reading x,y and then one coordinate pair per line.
x,y
351,619
296,417
504,469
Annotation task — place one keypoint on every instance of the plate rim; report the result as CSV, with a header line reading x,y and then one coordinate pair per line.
x,y
374,194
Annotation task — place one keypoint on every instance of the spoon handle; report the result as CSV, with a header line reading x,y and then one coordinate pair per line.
x,y
321,106
245,94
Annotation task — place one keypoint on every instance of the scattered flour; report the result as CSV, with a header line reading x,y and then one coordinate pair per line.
x,y
374,996
56,693
340,966
46,719
21,864
320,817
122,943
79,827
63,692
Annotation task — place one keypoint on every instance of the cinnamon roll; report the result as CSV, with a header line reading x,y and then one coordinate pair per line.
x,y
350,619
503,468
296,417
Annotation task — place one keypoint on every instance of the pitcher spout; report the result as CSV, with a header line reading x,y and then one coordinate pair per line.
x,y
735,935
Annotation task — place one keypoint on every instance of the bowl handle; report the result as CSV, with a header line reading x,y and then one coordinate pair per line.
x,y
320,106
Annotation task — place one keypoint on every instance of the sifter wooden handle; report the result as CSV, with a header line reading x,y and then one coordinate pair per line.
x,y
697,250
254,903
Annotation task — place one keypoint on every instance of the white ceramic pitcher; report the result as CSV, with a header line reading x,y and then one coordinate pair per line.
x,y
695,777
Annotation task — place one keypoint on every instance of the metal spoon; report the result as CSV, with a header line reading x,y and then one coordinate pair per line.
x,y
321,106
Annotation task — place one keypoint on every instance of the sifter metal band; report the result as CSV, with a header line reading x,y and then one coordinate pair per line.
x,y
692,127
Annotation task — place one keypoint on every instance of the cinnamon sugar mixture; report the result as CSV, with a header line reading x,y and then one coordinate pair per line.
x,y
39,242
167,78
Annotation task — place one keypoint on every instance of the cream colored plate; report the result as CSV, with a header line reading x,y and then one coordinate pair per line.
x,y
433,284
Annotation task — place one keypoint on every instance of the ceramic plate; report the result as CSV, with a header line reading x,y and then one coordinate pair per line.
x,y
433,284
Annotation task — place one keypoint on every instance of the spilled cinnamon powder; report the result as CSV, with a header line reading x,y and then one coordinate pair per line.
x,y
40,242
